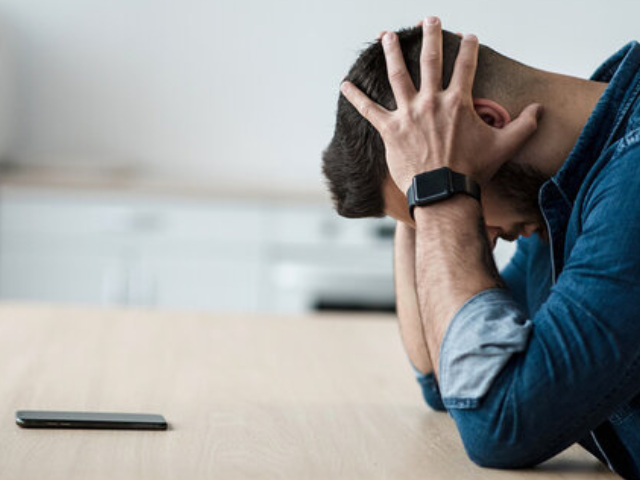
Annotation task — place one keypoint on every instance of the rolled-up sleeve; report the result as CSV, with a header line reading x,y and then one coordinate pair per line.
x,y
485,332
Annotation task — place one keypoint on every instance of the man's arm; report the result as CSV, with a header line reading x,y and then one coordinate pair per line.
x,y
407,306
411,329
410,323
453,264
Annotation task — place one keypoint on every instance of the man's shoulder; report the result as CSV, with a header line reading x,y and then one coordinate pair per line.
x,y
616,176
622,157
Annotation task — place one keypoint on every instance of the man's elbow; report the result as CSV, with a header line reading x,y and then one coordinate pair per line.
x,y
496,448
501,457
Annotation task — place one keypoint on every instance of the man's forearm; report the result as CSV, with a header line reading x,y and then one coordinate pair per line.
x,y
411,329
453,263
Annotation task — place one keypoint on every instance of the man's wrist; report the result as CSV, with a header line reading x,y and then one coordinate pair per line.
x,y
458,208
438,185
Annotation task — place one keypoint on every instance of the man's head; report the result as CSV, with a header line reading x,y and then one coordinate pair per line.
x,y
355,165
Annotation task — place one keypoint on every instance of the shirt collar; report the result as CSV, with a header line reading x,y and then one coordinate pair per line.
x,y
622,71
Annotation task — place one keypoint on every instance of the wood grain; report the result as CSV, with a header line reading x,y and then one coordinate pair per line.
x,y
246,397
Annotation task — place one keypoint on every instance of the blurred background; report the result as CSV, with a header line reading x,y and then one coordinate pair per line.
x,y
166,153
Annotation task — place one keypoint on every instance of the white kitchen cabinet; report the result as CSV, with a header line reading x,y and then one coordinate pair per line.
x,y
62,277
198,273
220,284
79,247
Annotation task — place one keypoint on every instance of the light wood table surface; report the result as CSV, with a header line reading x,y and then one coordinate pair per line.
x,y
246,397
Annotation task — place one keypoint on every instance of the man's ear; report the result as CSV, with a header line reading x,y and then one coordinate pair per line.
x,y
491,112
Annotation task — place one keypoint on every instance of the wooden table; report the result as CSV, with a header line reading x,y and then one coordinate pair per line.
x,y
253,397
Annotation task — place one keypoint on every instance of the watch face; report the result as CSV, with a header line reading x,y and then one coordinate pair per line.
x,y
433,185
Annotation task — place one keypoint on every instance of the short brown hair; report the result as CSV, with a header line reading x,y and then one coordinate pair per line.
x,y
354,162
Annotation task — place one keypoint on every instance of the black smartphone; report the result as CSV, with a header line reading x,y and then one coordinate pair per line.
x,y
118,421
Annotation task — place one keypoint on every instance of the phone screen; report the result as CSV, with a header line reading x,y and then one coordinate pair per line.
x,y
127,421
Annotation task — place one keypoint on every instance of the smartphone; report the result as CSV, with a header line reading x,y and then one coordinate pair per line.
x,y
118,421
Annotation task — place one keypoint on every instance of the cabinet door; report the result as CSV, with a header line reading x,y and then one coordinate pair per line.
x,y
59,247
206,284
201,259
62,278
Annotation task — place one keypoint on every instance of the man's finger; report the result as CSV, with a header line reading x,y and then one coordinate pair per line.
x,y
401,83
431,56
515,134
370,110
464,70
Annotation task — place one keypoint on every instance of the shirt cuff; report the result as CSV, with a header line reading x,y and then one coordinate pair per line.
x,y
430,389
481,338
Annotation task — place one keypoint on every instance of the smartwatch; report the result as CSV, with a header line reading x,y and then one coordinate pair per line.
x,y
437,185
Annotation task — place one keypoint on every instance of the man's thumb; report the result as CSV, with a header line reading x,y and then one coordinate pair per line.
x,y
517,132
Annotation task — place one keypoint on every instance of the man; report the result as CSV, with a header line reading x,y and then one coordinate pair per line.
x,y
547,353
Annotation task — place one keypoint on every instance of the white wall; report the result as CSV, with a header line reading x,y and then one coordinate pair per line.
x,y
229,89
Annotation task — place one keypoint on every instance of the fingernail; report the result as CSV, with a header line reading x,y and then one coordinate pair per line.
x,y
471,37
432,20
387,37
344,86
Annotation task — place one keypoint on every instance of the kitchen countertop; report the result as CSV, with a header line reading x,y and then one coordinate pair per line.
x,y
123,180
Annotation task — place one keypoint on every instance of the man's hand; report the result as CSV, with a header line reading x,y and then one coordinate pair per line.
x,y
432,127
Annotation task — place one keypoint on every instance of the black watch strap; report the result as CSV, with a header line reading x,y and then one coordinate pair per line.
x,y
437,185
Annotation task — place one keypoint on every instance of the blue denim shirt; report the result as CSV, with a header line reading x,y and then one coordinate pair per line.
x,y
555,360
